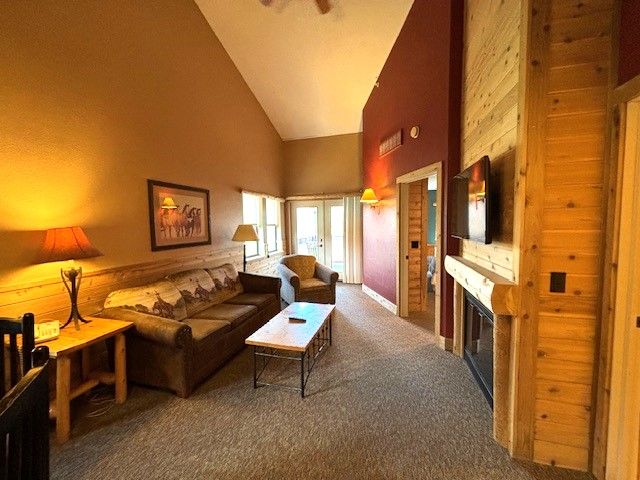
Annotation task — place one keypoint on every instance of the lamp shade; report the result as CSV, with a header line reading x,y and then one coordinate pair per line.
x,y
168,203
69,243
245,233
369,196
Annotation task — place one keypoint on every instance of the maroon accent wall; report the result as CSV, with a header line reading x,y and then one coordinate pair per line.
x,y
629,60
420,84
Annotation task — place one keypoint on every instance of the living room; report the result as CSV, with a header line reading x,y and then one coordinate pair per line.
x,y
162,129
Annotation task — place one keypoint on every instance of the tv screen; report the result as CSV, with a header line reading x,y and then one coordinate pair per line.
x,y
470,215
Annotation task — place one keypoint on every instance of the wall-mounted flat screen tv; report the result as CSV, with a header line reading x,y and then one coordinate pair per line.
x,y
470,213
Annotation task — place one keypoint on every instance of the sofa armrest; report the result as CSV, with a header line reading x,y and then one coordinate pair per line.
x,y
260,283
289,276
325,274
156,329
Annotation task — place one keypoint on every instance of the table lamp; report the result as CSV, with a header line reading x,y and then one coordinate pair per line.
x,y
245,233
69,243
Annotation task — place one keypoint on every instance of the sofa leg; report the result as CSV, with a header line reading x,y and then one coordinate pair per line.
x,y
183,392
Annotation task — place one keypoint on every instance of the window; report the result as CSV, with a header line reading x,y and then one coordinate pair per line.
x,y
265,214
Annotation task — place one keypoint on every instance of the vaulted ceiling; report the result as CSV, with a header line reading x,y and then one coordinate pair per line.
x,y
312,73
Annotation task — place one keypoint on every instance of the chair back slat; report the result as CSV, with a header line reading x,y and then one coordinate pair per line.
x,y
24,424
16,366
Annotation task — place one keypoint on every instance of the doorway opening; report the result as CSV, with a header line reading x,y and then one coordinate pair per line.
x,y
419,248
317,228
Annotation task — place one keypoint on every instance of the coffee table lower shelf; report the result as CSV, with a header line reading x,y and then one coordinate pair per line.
x,y
321,341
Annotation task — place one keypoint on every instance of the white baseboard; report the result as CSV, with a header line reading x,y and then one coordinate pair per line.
x,y
380,299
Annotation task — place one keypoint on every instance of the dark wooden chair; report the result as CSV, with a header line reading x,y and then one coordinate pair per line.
x,y
24,424
14,328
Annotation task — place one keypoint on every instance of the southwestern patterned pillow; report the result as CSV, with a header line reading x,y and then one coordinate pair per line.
x,y
196,287
161,299
226,282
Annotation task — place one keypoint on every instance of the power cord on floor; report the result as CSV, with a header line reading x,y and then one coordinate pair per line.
x,y
102,399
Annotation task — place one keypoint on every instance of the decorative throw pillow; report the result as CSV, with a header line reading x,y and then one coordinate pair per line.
x,y
161,299
196,287
226,281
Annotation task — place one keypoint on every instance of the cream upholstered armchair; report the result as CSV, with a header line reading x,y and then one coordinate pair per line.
x,y
305,280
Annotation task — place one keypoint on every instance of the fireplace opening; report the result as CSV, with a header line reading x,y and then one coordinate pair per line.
x,y
478,345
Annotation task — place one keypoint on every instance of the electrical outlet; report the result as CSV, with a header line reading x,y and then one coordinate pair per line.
x,y
558,283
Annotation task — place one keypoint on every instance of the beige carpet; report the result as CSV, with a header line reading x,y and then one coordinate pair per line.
x,y
383,403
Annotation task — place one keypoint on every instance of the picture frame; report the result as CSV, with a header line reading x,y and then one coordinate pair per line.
x,y
179,215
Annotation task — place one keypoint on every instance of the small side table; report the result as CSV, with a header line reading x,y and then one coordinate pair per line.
x,y
72,340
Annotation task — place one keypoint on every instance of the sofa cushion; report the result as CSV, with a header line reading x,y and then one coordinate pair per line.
x,y
313,284
161,299
226,281
196,287
202,328
257,299
302,265
234,314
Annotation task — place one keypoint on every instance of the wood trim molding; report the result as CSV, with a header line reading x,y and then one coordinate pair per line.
x,y
48,298
323,196
262,194
380,299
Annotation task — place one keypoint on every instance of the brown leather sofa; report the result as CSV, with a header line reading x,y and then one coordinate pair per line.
x,y
189,324
305,280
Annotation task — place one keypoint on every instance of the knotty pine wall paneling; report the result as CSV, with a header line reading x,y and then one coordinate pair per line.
x,y
490,115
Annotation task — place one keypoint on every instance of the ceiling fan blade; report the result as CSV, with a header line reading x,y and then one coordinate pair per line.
x,y
324,6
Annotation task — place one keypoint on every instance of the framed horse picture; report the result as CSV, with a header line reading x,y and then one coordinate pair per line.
x,y
178,215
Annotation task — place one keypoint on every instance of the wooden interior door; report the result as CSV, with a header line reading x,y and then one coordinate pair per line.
x,y
623,450
417,245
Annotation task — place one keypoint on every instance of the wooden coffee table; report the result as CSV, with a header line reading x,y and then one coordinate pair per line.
x,y
300,342
72,340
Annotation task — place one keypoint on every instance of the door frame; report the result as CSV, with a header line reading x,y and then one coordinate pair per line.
x,y
623,422
402,215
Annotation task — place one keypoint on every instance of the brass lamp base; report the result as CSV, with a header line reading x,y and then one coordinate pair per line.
x,y
72,278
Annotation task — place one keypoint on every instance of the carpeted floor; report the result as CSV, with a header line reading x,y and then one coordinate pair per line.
x,y
383,403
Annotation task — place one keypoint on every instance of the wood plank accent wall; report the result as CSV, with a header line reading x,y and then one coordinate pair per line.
x,y
490,114
417,256
536,85
578,37
560,208
48,299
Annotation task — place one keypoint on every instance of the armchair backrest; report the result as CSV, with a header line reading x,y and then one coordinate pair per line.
x,y
302,265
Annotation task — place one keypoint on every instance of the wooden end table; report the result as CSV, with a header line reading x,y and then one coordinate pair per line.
x,y
72,340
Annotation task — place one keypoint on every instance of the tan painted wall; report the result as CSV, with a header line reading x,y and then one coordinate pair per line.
x,y
99,96
323,165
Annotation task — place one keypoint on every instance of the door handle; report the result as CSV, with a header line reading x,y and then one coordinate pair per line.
x,y
638,321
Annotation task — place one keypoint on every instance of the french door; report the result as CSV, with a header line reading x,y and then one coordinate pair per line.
x,y
317,228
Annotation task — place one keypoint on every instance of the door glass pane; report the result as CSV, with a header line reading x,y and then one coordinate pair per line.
x,y
307,231
337,238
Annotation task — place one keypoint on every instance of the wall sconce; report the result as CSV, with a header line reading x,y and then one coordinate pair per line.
x,y
168,204
369,197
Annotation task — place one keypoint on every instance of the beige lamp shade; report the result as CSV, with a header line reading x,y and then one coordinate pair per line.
x,y
245,233
369,196
168,204
69,243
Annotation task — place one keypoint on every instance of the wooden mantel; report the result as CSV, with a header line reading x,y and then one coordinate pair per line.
x,y
497,293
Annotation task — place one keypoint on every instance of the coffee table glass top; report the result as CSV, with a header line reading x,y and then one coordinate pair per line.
x,y
283,334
